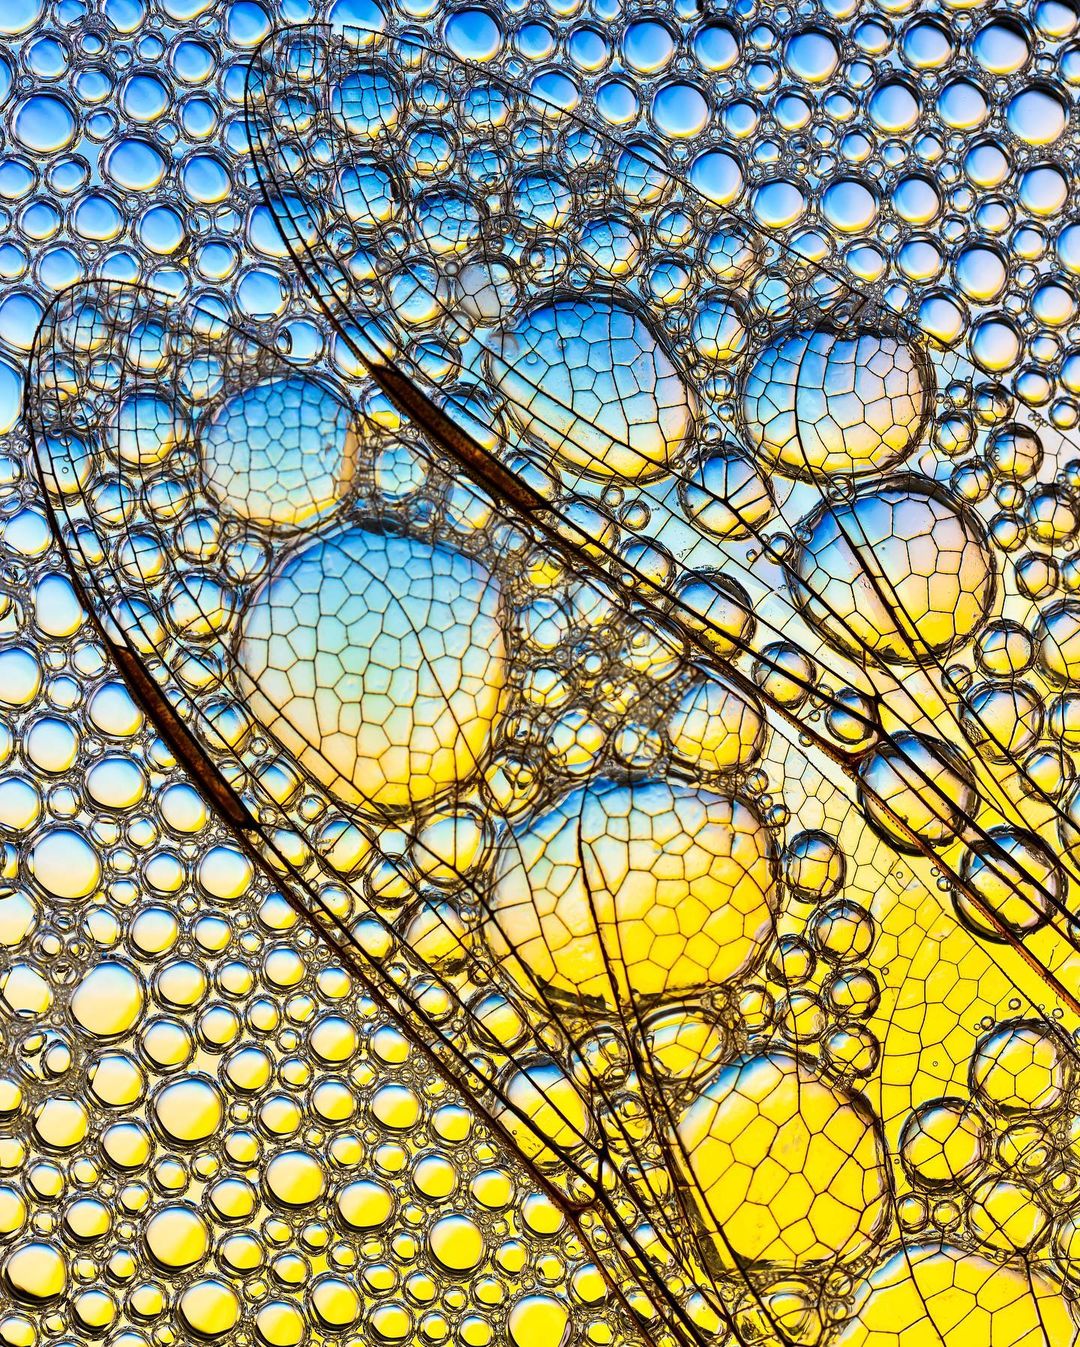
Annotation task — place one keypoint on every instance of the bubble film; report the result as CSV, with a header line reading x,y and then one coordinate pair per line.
x,y
537,661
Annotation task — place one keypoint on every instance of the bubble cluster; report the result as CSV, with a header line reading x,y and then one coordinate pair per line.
x,y
594,835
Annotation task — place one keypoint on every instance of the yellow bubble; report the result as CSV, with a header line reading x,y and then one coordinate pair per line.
x,y
1007,1216
541,1215
188,1111
13,1211
364,1205
126,1145
61,1123
396,1106
115,1080
233,1199
177,1237
108,1000
25,991
333,1040
335,1303
940,1295
435,1176
786,1169
87,1220
544,1113
492,1188
623,890
457,1243
210,1308
35,1273
1021,1066
683,1042
181,984
295,1179
392,1322
95,1310
279,1324
65,864
944,1141
538,1321
333,1101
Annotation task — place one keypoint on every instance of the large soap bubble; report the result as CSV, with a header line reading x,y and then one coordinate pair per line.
x,y
788,1169
378,660
280,453
588,380
937,1293
899,573
634,889
821,402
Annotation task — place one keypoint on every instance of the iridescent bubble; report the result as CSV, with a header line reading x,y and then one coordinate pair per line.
x,y
819,402
135,165
849,205
1001,46
944,1142
367,103
959,1297
283,452
44,124
1057,637
898,573
727,495
778,204
647,46
812,55
995,344
923,785
108,1000
64,864
624,890
1021,1067
378,661
716,46
20,16
716,728
962,105
894,106
1037,115
680,110
916,199
589,381
718,176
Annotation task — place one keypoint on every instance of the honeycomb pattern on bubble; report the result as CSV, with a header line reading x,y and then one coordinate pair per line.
x,y
823,402
902,574
641,890
791,1169
378,661
279,453
593,384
